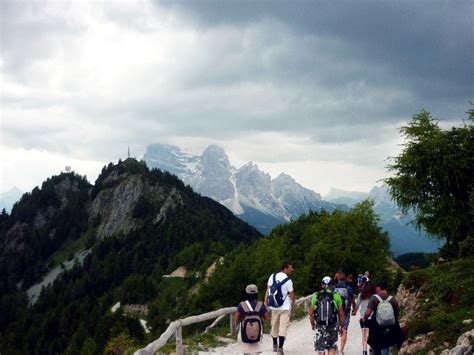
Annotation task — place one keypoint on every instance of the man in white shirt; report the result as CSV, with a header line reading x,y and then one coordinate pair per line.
x,y
280,305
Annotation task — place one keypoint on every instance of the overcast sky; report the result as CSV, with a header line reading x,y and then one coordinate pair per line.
x,y
315,89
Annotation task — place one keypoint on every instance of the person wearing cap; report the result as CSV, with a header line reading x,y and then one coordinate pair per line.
x,y
251,301
326,335
367,290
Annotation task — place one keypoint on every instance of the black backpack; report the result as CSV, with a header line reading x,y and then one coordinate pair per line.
x,y
326,311
251,325
275,296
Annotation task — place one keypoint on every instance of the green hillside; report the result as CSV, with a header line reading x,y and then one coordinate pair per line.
x,y
444,300
318,243
139,225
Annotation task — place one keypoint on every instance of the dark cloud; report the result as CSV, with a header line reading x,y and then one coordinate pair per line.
x,y
337,72
424,47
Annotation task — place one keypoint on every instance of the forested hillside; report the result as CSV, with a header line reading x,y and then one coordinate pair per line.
x,y
136,225
318,243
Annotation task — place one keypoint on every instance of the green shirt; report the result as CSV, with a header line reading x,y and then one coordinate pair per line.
x,y
336,296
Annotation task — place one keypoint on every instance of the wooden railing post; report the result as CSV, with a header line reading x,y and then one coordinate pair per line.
x,y
179,340
232,325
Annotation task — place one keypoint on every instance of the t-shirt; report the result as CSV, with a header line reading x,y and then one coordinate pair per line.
x,y
336,296
285,290
374,302
253,303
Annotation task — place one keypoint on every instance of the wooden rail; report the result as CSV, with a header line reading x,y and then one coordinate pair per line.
x,y
176,328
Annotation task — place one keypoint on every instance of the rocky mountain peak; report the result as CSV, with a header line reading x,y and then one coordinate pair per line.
x,y
166,157
284,179
214,158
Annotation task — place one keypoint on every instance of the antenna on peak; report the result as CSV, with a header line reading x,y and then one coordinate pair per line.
x,y
128,151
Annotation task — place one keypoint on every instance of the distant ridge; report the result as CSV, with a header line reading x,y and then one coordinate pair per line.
x,y
8,198
248,192
252,195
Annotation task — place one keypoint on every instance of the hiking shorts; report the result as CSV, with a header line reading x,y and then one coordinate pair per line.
x,y
325,337
280,322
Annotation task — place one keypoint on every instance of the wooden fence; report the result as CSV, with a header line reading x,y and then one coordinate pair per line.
x,y
176,328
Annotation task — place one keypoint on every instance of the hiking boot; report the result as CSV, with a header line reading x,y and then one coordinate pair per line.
x,y
280,351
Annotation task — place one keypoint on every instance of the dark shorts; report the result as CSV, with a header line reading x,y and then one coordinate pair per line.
x,y
325,337
364,324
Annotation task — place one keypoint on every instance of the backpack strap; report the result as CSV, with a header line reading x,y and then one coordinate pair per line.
x,y
285,280
249,306
274,279
389,298
378,297
245,305
258,307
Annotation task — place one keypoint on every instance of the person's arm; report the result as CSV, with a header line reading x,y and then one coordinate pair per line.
x,y
237,317
266,316
367,314
356,305
342,318
292,297
396,307
370,308
265,300
311,316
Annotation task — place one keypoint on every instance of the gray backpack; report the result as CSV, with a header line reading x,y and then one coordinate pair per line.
x,y
251,325
385,315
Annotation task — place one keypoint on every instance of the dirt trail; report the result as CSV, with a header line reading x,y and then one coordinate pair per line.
x,y
300,341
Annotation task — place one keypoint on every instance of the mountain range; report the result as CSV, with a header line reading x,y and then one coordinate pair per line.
x,y
252,195
248,192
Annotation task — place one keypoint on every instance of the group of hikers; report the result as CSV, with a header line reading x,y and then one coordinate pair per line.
x,y
330,312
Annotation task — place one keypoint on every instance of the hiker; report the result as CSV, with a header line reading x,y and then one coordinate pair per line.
x,y
384,329
326,315
367,290
250,313
279,298
347,295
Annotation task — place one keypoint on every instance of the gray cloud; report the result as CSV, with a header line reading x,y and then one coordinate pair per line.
x,y
88,79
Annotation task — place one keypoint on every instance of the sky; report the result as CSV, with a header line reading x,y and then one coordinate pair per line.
x,y
315,89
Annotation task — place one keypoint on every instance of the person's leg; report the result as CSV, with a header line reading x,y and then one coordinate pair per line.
x,y
283,328
331,351
365,337
343,339
344,333
275,328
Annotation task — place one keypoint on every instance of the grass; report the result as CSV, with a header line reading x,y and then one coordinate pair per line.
x,y
447,299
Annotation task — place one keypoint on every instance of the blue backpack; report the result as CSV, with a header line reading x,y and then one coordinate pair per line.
x,y
275,297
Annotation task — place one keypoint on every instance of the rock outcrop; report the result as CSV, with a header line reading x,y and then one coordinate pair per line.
x,y
115,205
